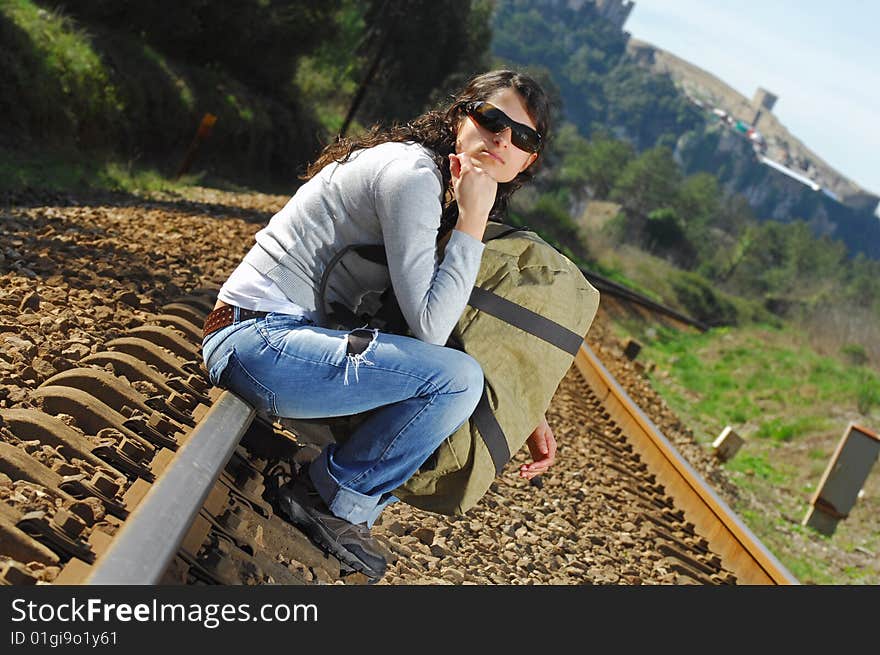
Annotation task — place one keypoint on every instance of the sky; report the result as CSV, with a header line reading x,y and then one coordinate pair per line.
x,y
821,58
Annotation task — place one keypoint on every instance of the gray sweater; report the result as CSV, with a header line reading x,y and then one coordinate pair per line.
x,y
391,194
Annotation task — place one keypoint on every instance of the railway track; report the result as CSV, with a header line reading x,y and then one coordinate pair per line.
x,y
131,469
621,300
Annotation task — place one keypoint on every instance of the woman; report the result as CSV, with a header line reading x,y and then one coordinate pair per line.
x,y
403,188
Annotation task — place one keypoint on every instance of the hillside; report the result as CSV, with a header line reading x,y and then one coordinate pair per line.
x,y
782,145
85,81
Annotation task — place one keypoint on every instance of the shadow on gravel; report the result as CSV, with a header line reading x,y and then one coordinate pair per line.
x,y
40,241
29,199
41,248
48,240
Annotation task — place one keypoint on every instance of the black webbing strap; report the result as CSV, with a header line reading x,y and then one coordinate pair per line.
x,y
493,435
370,252
501,235
527,320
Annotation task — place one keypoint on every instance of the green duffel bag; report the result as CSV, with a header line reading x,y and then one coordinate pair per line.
x,y
526,318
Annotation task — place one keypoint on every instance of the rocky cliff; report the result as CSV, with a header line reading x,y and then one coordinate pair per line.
x,y
782,145
773,194
808,189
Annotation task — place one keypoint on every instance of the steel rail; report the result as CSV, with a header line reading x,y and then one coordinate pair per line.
x,y
741,551
147,542
150,538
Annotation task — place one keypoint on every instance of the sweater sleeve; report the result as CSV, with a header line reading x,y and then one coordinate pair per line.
x,y
431,294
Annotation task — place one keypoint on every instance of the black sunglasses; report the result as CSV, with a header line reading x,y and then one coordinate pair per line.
x,y
493,119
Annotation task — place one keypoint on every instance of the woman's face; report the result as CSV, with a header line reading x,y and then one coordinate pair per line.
x,y
495,153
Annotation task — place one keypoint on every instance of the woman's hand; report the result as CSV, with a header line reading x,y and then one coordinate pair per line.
x,y
542,446
474,191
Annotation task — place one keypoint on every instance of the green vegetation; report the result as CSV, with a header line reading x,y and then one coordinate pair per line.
x,y
759,467
764,379
783,398
781,429
326,77
809,571
64,171
54,83
101,80
598,85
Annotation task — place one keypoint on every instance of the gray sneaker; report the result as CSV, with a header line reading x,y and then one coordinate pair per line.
x,y
352,544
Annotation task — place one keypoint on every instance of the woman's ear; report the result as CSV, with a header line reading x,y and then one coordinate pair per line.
x,y
529,161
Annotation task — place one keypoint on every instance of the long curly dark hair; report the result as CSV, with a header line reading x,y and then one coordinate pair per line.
x,y
437,130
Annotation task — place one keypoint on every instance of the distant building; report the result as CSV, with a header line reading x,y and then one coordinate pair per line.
x,y
763,98
763,101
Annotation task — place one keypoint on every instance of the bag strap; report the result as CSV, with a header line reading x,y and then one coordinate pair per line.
x,y
510,230
341,314
525,319
491,432
522,317
375,253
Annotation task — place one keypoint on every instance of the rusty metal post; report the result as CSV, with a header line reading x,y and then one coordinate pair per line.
x,y
201,135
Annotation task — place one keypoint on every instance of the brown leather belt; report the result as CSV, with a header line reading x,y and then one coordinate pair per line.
x,y
223,317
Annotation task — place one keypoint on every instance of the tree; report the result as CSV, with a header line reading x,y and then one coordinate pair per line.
x,y
415,47
786,261
569,157
664,229
607,158
586,54
862,281
699,199
649,182
259,43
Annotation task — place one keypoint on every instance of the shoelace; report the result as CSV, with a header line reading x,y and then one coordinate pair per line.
x,y
351,528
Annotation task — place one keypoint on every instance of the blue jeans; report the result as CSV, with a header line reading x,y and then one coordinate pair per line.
x,y
286,366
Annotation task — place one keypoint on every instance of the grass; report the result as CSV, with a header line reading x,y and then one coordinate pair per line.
x,y
81,87
63,78
791,405
807,571
779,533
782,429
69,170
763,379
620,278
759,466
185,91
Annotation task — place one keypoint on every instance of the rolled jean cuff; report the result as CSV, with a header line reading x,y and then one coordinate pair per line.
x,y
345,503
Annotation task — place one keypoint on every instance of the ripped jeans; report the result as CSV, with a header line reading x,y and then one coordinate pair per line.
x,y
286,366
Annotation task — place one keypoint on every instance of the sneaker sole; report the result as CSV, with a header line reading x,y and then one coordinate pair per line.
x,y
303,520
